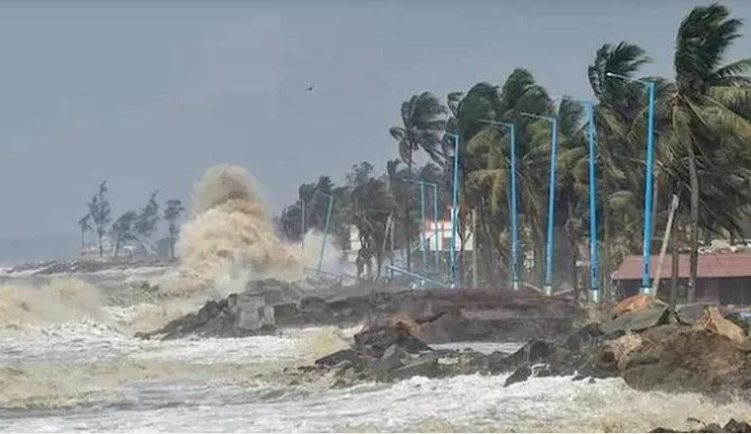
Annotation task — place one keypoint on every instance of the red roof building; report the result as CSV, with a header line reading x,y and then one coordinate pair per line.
x,y
723,277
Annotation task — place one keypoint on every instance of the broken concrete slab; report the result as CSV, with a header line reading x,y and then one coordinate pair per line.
x,y
637,320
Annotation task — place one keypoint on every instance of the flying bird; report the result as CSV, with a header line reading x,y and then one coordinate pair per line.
x,y
310,88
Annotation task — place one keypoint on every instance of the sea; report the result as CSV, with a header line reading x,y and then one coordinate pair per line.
x,y
69,361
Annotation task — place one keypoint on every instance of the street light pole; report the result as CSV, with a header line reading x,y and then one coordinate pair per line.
x,y
548,283
646,288
515,280
424,229
594,276
454,211
435,227
594,282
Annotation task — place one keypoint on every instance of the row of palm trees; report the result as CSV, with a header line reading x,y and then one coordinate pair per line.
x,y
702,132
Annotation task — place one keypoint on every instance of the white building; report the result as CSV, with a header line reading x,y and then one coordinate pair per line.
x,y
437,237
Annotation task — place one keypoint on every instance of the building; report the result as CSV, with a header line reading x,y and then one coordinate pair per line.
x,y
723,277
437,237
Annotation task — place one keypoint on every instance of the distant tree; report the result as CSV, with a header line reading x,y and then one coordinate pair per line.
x,y
148,219
100,214
85,225
360,174
122,230
172,211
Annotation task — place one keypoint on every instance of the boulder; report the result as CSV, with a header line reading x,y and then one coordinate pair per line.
x,y
637,320
689,313
635,303
713,320
733,426
676,358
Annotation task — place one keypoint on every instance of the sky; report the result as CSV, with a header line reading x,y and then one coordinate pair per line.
x,y
148,95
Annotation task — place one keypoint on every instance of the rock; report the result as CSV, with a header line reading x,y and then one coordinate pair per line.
x,y
636,303
637,320
432,315
675,358
422,366
338,357
711,319
522,373
689,313
734,426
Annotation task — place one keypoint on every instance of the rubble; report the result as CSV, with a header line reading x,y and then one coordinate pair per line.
x,y
443,315
648,346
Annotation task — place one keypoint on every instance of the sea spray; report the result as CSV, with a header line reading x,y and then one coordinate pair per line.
x,y
228,229
60,300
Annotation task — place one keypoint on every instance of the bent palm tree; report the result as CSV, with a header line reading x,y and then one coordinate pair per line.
x,y
709,102
422,128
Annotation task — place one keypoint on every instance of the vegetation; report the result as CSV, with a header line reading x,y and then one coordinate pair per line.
x,y
703,129
131,226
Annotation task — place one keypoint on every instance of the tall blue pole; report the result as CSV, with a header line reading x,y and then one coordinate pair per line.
x,y
594,284
435,229
454,212
646,288
548,279
514,202
548,286
325,230
424,229
515,281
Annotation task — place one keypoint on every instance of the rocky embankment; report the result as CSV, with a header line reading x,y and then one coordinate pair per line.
x,y
693,349
443,315
732,426
48,268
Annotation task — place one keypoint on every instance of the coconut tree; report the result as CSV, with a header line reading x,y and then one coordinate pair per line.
x,y
710,103
422,128
84,224
372,205
487,160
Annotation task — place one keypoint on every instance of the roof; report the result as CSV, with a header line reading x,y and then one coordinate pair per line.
x,y
711,265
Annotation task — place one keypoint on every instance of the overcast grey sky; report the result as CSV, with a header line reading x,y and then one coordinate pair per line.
x,y
149,94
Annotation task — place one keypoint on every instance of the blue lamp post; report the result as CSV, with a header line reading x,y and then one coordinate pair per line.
x,y
454,211
548,283
646,287
515,280
594,282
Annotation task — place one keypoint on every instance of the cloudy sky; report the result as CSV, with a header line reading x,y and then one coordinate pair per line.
x,y
148,94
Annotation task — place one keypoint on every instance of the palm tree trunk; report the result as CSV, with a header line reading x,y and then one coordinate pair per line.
x,y
606,252
694,260
487,248
675,266
575,269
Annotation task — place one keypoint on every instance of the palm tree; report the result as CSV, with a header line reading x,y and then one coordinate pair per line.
x,y
373,205
618,104
487,163
710,102
422,128
85,225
